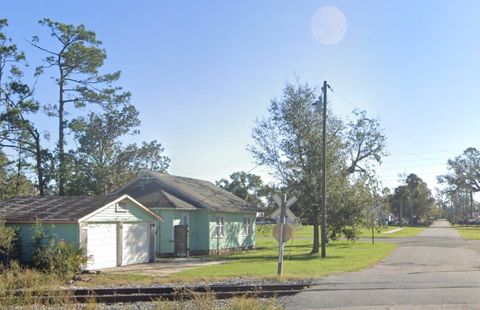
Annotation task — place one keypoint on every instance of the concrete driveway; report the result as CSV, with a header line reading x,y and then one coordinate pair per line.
x,y
163,267
435,270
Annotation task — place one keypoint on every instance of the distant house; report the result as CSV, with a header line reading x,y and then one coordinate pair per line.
x,y
115,230
199,217
290,218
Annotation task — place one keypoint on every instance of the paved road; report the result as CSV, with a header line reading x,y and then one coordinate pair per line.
x,y
435,270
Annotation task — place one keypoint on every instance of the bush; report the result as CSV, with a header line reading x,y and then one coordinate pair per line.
x,y
8,238
56,256
265,229
351,233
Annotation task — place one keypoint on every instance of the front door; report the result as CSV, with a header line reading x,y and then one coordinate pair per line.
x,y
180,233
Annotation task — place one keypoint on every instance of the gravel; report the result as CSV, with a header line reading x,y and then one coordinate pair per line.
x,y
205,303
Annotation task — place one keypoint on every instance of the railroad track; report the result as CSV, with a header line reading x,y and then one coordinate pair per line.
x,y
125,295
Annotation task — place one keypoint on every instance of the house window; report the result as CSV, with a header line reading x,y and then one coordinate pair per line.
x,y
121,207
247,226
220,227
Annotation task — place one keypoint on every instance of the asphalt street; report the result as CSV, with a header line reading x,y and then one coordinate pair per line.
x,y
435,270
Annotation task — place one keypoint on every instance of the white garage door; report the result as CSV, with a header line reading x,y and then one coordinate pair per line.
x,y
135,243
102,246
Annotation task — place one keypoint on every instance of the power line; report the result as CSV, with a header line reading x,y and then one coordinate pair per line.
x,y
399,133
357,107
409,167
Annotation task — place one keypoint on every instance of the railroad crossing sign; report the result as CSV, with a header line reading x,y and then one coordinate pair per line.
x,y
284,204
279,201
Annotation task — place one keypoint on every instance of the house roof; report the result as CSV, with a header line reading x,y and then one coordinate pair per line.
x,y
158,190
58,208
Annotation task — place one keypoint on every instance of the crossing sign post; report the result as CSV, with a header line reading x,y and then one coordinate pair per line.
x,y
284,205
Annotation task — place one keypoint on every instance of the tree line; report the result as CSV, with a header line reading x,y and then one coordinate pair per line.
x,y
460,184
88,156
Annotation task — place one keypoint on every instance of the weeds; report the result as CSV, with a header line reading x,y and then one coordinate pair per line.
x,y
24,286
208,301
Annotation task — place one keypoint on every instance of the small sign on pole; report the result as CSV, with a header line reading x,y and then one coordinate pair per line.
x,y
287,232
284,205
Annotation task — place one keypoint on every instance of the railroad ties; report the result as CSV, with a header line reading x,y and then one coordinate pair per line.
x,y
125,295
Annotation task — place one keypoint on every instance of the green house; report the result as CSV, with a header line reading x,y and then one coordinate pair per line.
x,y
200,218
115,230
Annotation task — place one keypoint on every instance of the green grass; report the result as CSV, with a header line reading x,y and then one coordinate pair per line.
x,y
405,232
341,257
302,232
468,233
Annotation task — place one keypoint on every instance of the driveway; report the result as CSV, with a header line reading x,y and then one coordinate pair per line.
x,y
436,269
163,267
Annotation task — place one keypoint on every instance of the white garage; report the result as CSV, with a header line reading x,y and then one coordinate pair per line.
x,y
135,243
121,233
102,245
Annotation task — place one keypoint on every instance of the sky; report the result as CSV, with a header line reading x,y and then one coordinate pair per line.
x,y
201,72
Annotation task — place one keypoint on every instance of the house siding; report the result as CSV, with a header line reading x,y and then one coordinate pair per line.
x,y
234,237
133,214
164,231
198,230
65,232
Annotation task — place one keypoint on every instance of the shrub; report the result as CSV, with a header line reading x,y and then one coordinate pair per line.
x,y
264,229
56,256
351,233
8,238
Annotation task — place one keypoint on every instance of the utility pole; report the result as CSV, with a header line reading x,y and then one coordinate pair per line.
x,y
324,172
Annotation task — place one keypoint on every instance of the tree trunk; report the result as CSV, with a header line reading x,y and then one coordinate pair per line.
x,y
19,171
61,142
316,230
411,215
471,204
38,167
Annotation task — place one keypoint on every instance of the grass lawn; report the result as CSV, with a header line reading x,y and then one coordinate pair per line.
x,y
341,257
468,233
406,231
307,232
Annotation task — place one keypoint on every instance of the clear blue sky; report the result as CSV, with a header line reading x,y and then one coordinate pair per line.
x,y
202,71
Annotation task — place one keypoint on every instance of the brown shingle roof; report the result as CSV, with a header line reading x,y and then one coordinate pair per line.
x,y
52,208
158,190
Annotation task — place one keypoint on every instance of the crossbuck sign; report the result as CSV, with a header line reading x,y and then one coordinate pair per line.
x,y
284,204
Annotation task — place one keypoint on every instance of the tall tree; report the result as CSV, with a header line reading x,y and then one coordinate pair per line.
x,y
364,142
75,62
17,106
288,141
247,186
463,176
102,163
416,200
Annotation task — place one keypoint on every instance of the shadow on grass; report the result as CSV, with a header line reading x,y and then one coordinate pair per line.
x,y
291,257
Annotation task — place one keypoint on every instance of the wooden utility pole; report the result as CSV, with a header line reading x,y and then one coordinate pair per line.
x,y
324,172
